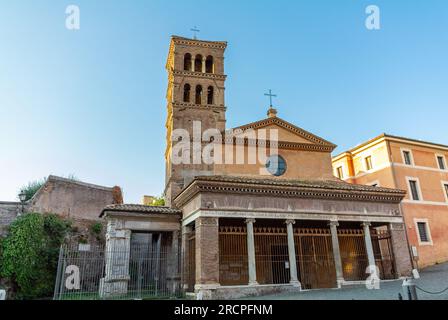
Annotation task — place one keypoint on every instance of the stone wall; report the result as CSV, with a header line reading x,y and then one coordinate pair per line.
x,y
73,199
8,213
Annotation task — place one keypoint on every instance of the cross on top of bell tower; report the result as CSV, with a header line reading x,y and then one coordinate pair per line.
x,y
195,31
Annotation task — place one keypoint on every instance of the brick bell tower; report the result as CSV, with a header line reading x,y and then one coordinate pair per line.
x,y
196,86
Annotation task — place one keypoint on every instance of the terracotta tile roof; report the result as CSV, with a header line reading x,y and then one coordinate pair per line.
x,y
139,209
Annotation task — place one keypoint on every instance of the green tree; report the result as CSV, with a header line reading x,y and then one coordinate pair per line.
x,y
30,253
31,188
158,202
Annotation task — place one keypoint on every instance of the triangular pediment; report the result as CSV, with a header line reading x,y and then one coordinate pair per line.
x,y
287,132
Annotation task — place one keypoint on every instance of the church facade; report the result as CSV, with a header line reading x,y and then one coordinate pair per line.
x,y
255,209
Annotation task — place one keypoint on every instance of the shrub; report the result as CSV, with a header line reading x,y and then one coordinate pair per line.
x,y
96,228
30,253
158,202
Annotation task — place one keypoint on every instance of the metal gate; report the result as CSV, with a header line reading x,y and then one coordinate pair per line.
x,y
354,254
271,255
233,258
314,255
384,256
146,272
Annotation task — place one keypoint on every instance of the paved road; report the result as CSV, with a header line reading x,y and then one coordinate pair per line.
x,y
432,279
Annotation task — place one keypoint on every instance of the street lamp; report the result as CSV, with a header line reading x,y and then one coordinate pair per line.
x,y
22,197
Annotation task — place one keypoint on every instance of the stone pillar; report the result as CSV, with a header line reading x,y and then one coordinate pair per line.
x,y
400,249
207,256
368,241
193,61
251,252
117,255
292,253
336,252
204,59
186,230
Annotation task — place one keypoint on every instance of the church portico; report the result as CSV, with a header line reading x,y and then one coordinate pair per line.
x,y
254,248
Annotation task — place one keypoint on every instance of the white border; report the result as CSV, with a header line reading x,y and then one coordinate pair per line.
x,y
411,155
419,191
428,232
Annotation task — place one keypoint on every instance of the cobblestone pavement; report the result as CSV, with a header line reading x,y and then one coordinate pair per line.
x,y
432,279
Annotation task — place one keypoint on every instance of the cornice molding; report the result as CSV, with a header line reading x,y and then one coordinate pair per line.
x,y
186,73
204,186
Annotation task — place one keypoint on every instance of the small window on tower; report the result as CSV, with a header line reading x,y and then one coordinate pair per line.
x,y
187,62
198,63
198,99
209,67
187,89
210,95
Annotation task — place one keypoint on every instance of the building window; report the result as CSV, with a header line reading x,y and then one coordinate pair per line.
x,y
187,62
210,94
423,232
368,161
340,172
413,185
198,99
441,162
209,66
407,157
198,63
276,165
187,89
445,189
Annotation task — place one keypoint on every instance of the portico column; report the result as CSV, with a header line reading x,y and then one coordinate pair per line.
x,y
251,252
368,240
292,253
336,252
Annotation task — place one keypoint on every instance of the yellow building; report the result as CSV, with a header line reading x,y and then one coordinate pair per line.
x,y
421,169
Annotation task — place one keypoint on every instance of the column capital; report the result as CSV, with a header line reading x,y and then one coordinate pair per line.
x,y
290,221
366,224
250,220
333,223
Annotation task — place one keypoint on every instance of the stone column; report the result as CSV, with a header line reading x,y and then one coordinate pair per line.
x,y
292,253
368,241
186,230
193,61
400,249
204,59
207,255
117,255
251,252
336,252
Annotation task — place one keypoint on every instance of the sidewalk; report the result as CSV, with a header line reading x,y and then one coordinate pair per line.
x,y
432,279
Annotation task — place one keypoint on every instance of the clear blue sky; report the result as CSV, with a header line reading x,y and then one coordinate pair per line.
x,y
92,102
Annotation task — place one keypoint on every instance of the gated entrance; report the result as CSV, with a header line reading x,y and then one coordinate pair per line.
x,y
148,270
315,261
